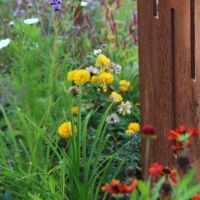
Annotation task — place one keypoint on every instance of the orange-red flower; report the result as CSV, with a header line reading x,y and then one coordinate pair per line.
x,y
181,130
181,142
116,187
179,146
196,197
157,170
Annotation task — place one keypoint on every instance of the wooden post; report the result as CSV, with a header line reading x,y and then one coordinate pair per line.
x,y
169,52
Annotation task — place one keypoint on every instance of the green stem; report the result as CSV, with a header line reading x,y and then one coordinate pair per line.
x,y
147,149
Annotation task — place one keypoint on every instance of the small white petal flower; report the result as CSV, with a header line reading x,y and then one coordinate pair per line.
x,y
125,108
92,70
4,43
115,68
97,51
31,21
11,23
113,119
84,3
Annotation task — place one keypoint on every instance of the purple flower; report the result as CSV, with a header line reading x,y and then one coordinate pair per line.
x,y
56,4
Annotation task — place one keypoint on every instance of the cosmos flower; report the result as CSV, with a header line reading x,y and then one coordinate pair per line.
x,y
125,108
4,43
31,21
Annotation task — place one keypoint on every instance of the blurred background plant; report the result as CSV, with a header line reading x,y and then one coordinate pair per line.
x,y
33,90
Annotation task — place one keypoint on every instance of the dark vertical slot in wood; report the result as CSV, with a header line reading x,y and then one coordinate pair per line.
x,y
155,8
192,18
173,56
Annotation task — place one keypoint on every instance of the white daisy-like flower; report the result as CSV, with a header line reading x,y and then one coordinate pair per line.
x,y
125,108
97,51
11,23
92,70
4,43
84,3
31,21
113,119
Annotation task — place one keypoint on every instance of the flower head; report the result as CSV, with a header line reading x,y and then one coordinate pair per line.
x,y
116,187
181,136
132,128
148,130
124,85
157,170
84,3
125,108
115,68
31,21
113,119
65,130
71,74
105,78
79,76
4,43
75,110
102,61
97,51
116,97
92,70
196,197
56,4
94,79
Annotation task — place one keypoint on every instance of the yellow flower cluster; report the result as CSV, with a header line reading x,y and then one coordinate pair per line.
x,y
116,97
124,85
102,61
132,128
78,76
65,130
105,78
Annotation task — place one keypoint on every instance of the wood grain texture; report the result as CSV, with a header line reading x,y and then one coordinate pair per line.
x,y
169,48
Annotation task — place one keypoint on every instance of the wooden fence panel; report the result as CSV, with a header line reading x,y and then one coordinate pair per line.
x,y
169,49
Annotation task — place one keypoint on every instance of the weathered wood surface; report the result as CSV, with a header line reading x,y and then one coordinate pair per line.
x,y
169,49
